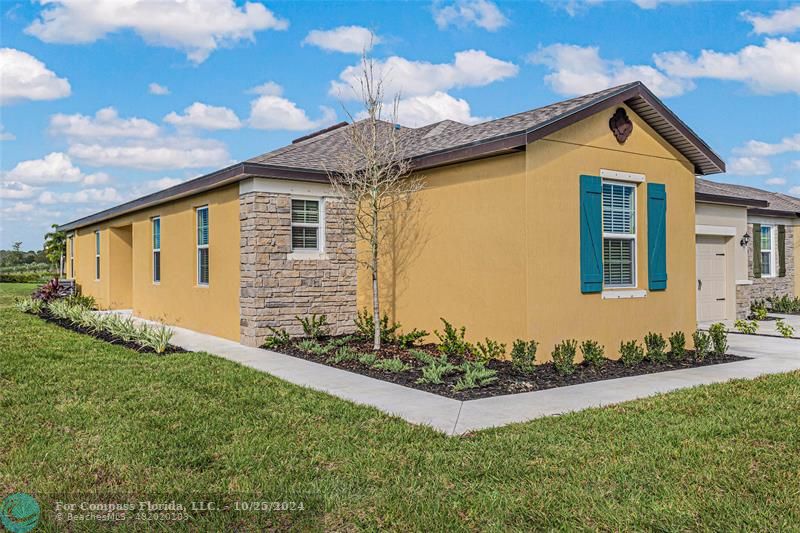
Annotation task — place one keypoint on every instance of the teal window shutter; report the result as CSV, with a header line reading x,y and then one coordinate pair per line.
x,y
657,236
591,234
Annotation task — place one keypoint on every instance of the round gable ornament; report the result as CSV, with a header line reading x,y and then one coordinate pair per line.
x,y
621,125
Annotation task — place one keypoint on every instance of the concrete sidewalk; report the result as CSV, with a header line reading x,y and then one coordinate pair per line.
x,y
454,417
765,327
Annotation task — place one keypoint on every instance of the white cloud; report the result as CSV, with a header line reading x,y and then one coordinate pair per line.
x,y
99,196
105,124
5,135
776,181
157,89
55,167
795,191
482,13
779,21
149,186
154,154
271,111
207,117
470,68
16,190
749,166
768,69
580,70
347,39
197,27
421,110
17,208
762,149
23,77
653,4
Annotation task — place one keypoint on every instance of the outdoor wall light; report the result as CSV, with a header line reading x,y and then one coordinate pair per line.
x,y
745,240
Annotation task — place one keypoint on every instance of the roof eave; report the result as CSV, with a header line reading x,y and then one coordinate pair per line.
x,y
710,198
772,213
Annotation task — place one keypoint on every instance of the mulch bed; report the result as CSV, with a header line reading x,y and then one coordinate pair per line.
x,y
104,336
509,381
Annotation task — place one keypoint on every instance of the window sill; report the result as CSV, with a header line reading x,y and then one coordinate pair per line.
x,y
617,294
307,256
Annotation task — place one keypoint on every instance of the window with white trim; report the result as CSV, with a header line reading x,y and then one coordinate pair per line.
x,y
96,255
202,245
768,268
72,256
156,229
619,235
307,217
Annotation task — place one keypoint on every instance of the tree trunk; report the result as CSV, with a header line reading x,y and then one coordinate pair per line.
x,y
376,309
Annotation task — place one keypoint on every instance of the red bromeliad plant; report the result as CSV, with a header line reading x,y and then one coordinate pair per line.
x,y
51,291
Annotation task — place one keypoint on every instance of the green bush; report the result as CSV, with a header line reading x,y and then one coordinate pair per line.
x,y
523,355
758,310
368,358
391,365
702,345
155,338
656,347
747,327
434,372
719,338
784,304
365,326
476,375
452,342
490,350
29,305
87,302
25,276
407,340
630,353
314,347
677,345
784,329
564,356
279,339
344,353
314,326
593,353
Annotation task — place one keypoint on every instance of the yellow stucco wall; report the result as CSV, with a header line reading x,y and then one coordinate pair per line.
x,y
499,248
126,264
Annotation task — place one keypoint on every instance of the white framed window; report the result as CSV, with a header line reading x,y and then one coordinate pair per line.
x,y
308,223
202,246
97,255
768,254
619,234
72,255
156,230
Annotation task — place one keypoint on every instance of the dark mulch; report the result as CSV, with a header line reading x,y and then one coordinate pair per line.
x,y
509,381
103,336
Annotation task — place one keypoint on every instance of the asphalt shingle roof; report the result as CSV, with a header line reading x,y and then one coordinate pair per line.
x,y
777,201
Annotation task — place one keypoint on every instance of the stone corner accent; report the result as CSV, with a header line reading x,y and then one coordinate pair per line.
x,y
274,288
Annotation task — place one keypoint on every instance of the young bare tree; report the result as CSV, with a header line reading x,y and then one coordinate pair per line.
x,y
373,175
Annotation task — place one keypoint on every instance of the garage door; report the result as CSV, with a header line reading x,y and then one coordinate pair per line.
x,y
711,278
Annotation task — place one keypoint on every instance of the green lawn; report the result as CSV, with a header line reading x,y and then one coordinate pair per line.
x,y
85,420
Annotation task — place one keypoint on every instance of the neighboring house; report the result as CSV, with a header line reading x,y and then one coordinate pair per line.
x,y
746,240
574,220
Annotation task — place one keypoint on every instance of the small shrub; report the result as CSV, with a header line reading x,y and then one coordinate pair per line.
x,y
719,338
156,338
407,340
758,310
631,353
344,353
702,345
451,341
434,372
314,326
523,355
427,358
121,327
312,346
279,339
87,302
51,290
656,347
476,375
365,326
391,365
593,353
368,358
784,304
564,356
29,305
677,345
747,327
784,329
490,350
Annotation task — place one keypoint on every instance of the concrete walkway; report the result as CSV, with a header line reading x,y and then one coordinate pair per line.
x,y
454,417
765,327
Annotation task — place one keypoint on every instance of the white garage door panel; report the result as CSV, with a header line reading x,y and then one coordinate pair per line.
x,y
711,278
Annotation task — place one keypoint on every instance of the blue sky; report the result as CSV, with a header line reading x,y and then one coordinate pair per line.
x,y
107,100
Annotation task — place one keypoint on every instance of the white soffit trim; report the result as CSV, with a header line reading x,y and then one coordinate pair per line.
x,y
621,294
300,188
621,176
703,229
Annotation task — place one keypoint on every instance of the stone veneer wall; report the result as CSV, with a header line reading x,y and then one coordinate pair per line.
x,y
275,288
764,287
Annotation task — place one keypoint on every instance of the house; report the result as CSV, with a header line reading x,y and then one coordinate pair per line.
x,y
746,239
573,220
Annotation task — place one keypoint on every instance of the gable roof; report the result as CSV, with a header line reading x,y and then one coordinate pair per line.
x,y
758,201
310,158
